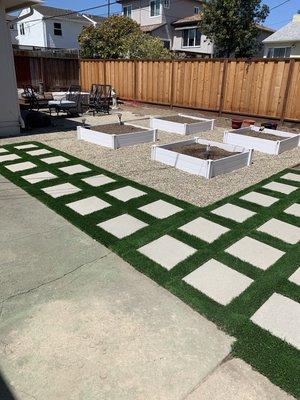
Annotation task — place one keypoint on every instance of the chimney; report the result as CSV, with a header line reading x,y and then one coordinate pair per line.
x,y
297,17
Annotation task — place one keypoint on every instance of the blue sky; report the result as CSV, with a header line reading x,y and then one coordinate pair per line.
x,y
277,18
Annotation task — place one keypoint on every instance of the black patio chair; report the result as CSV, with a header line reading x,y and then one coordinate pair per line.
x,y
102,100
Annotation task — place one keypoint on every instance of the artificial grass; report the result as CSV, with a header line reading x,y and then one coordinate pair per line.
x,y
268,354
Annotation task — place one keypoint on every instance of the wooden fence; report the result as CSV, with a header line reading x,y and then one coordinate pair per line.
x,y
57,73
257,87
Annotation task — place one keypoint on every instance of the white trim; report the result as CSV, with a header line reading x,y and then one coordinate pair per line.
x,y
186,27
160,9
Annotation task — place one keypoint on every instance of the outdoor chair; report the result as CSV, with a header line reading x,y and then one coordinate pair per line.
x,y
102,99
71,103
34,100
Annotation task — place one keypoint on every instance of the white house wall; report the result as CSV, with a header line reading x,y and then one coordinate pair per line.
x,y
70,33
295,52
34,30
205,47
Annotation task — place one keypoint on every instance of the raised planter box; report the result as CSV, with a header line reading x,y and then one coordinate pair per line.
x,y
207,168
200,125
113,141
286,140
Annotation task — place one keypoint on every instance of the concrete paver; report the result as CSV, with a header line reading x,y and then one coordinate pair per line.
x,y
122,226
75,169
160,209
38,152
54,159
259,198
88,205
25,146
204,229
294,209
9,157
281,230
21,166
98,180
295,277
39,177
280,187
61,190
291,176
233,212
126,193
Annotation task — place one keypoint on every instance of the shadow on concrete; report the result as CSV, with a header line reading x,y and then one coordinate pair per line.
x,y
5,391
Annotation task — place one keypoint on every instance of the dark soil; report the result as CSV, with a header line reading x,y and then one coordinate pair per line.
x,y
262,135
117,129
200,151
179,119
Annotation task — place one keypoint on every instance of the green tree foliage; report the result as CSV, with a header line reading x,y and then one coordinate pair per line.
x,y
232,26
120,37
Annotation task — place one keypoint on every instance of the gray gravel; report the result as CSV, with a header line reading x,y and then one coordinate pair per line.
x,y
135,163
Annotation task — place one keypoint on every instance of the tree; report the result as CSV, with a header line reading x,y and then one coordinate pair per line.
x,y
232,25
120,37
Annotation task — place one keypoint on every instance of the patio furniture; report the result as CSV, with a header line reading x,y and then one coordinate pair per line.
x,y
33,100
70,103
102,99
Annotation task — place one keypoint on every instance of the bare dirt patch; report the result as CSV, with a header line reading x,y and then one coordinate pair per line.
x,y
262,135
179,119
117,129
201,151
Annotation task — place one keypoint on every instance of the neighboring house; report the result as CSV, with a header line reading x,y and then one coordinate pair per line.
x,y
53,27
13,28
285,42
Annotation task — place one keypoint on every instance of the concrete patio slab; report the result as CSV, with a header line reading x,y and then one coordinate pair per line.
x,y
204,229
167,251
61,190
75,169
126,193
291,176
294,209
236,380
280,316
122,226
54,159
84,324
281,230
39,152
39,177
9,157
259,198
218,281
98,180
254,252
25,146
280,187
233,212
295,278
21,166
88,205
160,209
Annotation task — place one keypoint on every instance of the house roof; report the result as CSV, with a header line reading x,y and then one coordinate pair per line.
x,y
288,33
151,28
47,11
13,5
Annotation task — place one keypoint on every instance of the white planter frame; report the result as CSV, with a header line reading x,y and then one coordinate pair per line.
x,y
113,141
200,125
274,147
197,166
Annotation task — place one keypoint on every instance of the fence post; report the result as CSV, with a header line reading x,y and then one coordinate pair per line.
x,y
287,89
171,101
223,86
135,84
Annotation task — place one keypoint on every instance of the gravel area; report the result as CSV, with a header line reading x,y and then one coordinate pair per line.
x,y
135,162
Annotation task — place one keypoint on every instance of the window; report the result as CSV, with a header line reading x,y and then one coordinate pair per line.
x,y
166,3
155,8
279,52
191,37
167,44
22,29
196,10
11,26
57,29
127,11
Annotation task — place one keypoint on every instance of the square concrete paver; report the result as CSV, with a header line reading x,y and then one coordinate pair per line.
x,y
160,209
3,150
122,226
204,229
61,190
25,146
218,281
280,316
294,209
233,212
98,180
260,199
75,169
22,166
280,187
54,160
281,230
126,193
295,278
9,157
167,251
88,205
39,152
39,177
256,253
292,177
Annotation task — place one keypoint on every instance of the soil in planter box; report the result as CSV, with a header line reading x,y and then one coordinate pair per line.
x,y
117,129
200,151
262,135
179,119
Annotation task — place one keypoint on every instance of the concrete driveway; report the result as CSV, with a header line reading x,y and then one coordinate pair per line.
x,y
77,322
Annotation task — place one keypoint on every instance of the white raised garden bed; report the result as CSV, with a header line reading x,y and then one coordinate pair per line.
x,y
207,168
286,140
113,141
200,125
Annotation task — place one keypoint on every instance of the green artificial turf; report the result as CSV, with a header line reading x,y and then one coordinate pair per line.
x,y
270,355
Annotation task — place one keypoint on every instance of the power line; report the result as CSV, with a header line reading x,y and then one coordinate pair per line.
x,y
279,5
